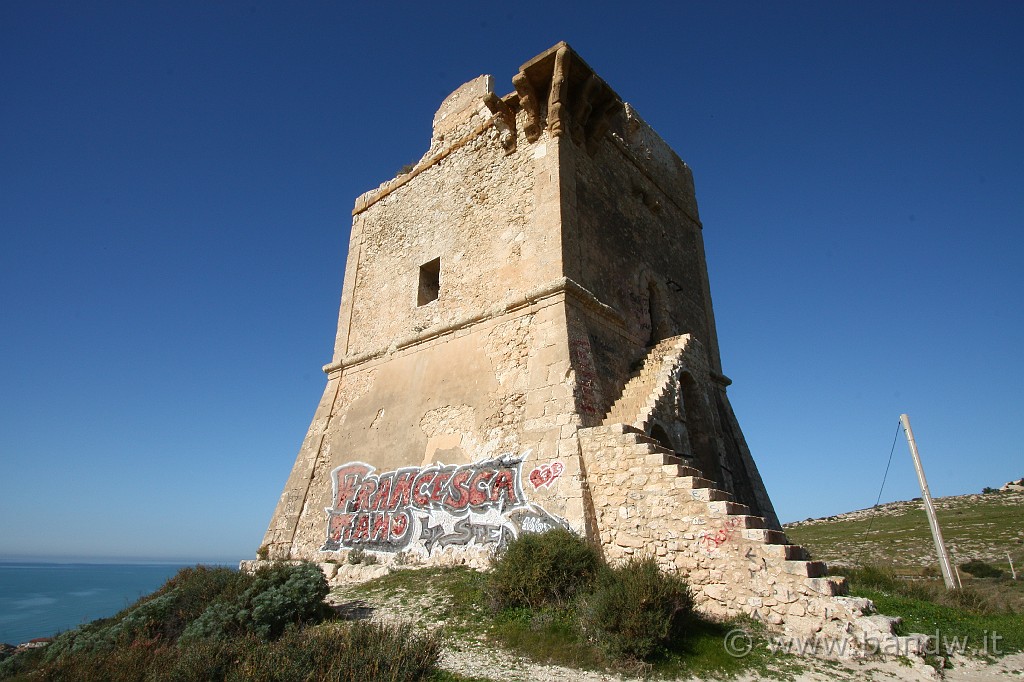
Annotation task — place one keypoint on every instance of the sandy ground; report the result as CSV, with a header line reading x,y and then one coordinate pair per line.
x,y
477,658
484,661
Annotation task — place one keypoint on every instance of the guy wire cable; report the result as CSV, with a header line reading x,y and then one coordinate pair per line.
x,y
871,521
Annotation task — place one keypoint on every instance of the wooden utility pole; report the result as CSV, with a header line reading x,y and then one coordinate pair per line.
x,y
929,508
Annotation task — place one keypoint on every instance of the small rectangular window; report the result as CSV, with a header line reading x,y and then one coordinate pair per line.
x,y
430,282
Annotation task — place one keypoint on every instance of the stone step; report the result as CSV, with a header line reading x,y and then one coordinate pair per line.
x,y
620,428
745,521
766,535
709,494
683,470
831,586
724,507
623,404
634,437
661,457
787,552
643,439
692,482
812,568
646,452
649,447
806,569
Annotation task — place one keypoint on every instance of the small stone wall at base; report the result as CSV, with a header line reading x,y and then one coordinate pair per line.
x,y
377,564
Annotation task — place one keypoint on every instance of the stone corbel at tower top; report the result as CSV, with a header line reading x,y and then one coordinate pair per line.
x,y
559,92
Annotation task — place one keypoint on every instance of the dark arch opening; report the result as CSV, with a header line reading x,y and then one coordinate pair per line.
x,y
699,428
660,326
658,434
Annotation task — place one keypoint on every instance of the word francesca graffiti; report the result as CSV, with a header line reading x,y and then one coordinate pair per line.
x,y
424,509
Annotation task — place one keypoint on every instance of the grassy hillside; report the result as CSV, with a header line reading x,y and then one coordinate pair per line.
x,y
983,527
873,547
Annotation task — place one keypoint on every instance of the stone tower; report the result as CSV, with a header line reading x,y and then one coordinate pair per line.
x,y
526,339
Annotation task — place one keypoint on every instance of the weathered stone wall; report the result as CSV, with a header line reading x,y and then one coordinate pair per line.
x,y
559,366
482,372
553,279
474,211
633,239
637,244
512,397
277,541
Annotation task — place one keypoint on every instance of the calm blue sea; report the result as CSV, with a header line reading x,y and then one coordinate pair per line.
x,y
39,600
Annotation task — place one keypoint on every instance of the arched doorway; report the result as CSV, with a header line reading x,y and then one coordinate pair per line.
x,y
699,427
661,326
659,434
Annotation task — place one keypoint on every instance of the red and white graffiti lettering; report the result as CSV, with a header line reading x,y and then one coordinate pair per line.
x,y
426,507
544,476
711,540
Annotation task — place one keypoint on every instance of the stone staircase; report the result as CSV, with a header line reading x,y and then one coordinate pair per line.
x,y
646,500
649,385
628,460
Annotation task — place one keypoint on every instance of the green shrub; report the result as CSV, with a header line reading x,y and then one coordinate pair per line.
x,y
211,661
276,597
874,577
968,598
352,653
21,662
378,652
158,617
205,603
979,569
231,626
636,610
348,653
542,569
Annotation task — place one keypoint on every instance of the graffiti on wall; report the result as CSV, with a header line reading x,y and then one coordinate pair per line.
x,y
544,476
427,508
711,541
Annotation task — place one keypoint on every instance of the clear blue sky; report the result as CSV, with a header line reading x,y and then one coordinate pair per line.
x,y
175,186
